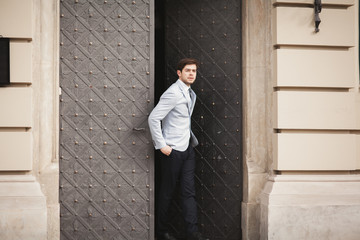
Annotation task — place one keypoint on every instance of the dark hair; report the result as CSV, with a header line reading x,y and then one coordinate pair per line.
x,y
187,61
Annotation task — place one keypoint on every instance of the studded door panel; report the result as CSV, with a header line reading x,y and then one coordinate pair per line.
x,y
106,159
210,31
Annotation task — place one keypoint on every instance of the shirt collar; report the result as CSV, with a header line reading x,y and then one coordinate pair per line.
x,y
183,86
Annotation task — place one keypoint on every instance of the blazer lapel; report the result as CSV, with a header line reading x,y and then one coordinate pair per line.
x,y
191,103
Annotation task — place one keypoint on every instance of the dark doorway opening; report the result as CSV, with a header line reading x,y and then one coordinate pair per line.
x,y
209,31
160,83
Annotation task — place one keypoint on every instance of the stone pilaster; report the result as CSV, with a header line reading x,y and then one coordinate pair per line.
x,y
46,108
257,90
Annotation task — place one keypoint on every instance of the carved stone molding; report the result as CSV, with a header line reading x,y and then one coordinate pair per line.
x,y
256,109
46,110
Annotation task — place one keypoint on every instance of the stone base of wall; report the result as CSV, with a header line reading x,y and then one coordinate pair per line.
x,y
23,210
250,222
311,207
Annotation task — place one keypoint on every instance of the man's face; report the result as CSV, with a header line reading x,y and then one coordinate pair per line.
x,y
188,74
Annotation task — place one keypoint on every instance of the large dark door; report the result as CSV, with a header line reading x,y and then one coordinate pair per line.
x,y
106,156
210,31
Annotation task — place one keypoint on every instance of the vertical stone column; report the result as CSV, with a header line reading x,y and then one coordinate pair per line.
x,y
256,109
46,108
46,122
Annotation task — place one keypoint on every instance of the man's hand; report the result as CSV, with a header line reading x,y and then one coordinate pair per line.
x,y
166,150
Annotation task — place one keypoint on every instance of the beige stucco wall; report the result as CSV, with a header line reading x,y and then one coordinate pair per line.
x,y
316,82
29,170
312,192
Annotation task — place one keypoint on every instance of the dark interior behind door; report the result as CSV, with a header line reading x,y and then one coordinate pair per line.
x,y
209,31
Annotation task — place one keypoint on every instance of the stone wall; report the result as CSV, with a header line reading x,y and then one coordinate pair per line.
x,y
257,100
29,171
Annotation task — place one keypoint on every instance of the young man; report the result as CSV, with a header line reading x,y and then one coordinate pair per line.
x,y
170,127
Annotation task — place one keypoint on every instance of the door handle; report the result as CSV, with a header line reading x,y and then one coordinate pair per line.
x,y
139,129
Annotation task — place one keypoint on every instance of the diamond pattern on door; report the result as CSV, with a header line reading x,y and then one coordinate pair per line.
x,y
210,31
106,167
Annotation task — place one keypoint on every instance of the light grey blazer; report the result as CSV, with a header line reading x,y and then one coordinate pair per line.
x,y
170,120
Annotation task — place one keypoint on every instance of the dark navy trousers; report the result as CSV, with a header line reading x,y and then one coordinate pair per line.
x,y
177,166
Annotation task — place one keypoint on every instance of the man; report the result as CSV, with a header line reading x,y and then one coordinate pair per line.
x,y
170,127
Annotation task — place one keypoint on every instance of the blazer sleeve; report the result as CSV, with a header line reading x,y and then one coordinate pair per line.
x,y
166,103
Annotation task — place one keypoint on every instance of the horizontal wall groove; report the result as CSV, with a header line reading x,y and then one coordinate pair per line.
x,y
17,85
317,131
319,176
311,89
309,5
22,40
14,129
312,47
25,39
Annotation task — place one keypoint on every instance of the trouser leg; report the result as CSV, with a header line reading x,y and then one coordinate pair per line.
x,y
170,170
188,191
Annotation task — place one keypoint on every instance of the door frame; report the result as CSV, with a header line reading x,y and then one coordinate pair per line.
x,y
257,150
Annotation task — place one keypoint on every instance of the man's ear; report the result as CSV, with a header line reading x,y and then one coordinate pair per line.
x,y
178,73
